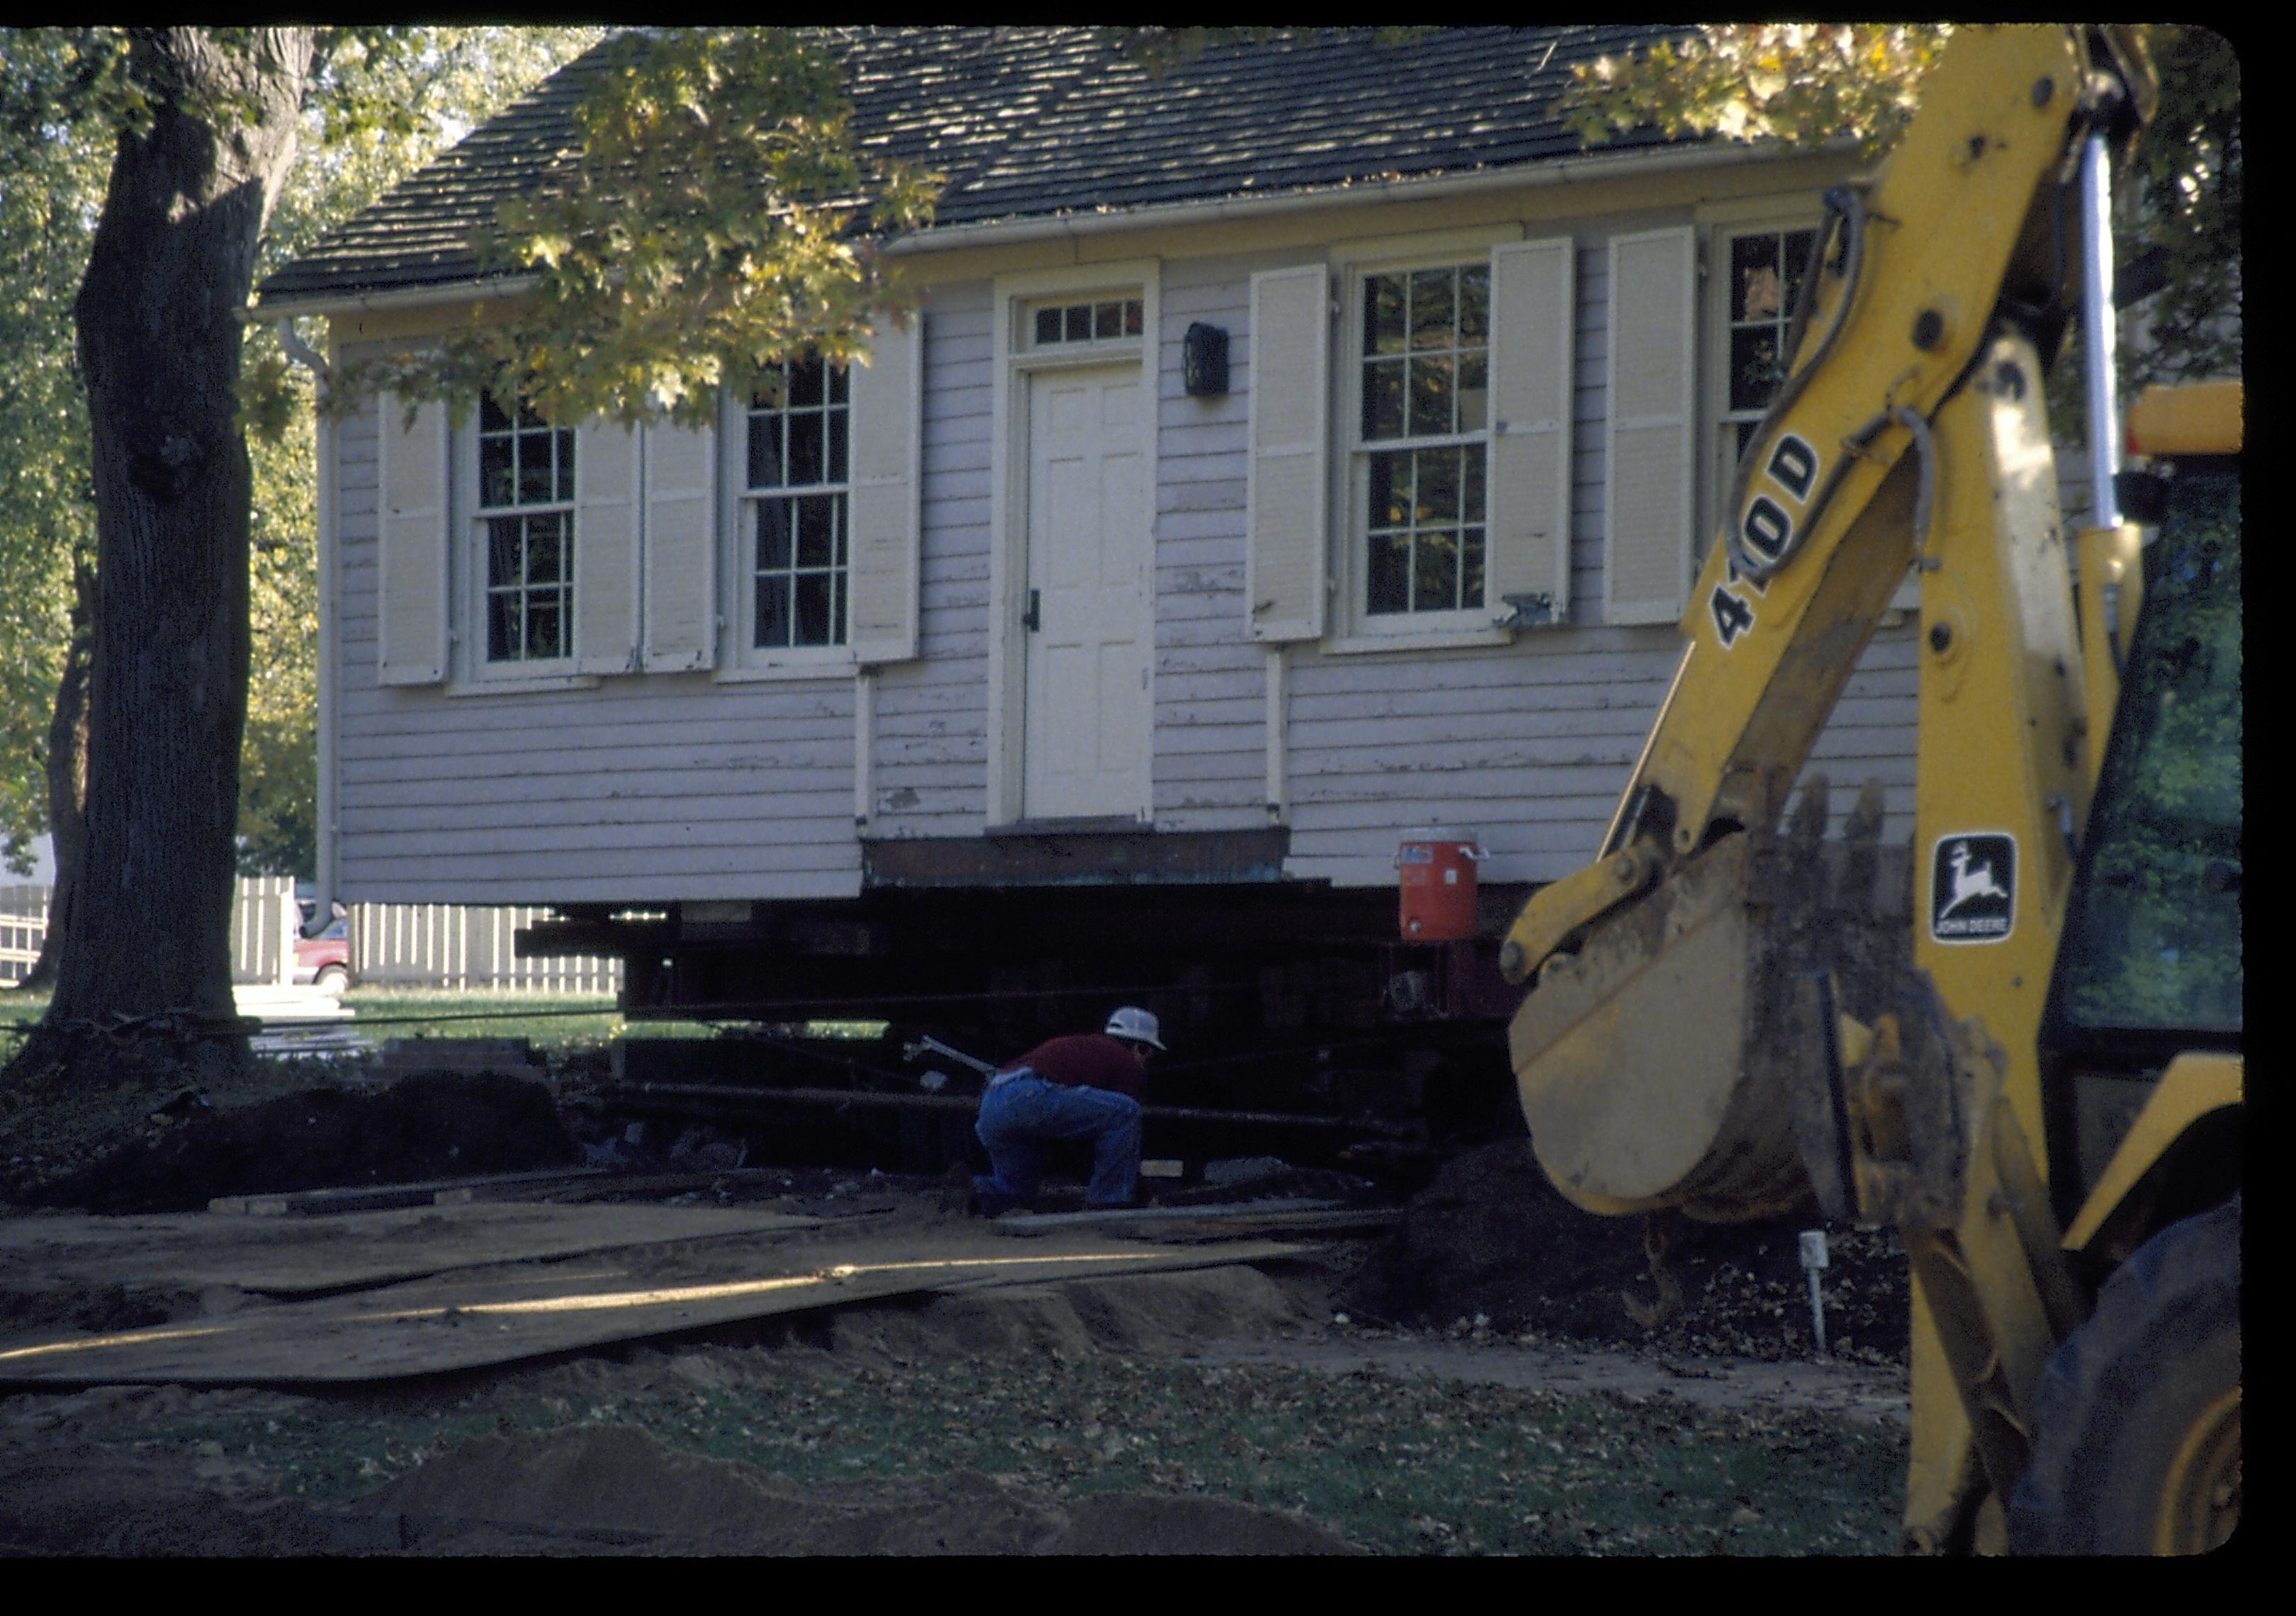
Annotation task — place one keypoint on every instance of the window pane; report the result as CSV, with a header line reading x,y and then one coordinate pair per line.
x,y
1797,263
1474,305
537,484
1075,322
502,552
544,624
1474,392
502,627
839,378
833,424
1389,579
497,485
1430,397
1108,320
565,464
816,597
545,555
1433,316
1471,567
1390,490
774,542
816,527
491,418
1048,325
1382,402
1753,366
1383,315
1435,583
772,626
1756,288
1470,482
804,383
1132,319
1438,489
765,452
804,448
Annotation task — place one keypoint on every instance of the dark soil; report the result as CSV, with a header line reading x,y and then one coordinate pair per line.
x,y
430,1126
1493,1246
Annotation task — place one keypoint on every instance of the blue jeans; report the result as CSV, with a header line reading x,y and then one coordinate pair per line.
x,y
1019,1115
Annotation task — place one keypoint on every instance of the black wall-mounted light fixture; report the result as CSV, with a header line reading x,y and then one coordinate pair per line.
x,y
1203,361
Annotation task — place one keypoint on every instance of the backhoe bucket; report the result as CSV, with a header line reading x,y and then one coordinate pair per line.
x,y
1675,1059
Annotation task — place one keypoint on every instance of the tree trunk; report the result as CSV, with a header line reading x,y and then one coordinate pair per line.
x,y
67,773
146,942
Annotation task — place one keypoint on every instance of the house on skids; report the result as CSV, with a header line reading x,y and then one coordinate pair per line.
x,y
1306,445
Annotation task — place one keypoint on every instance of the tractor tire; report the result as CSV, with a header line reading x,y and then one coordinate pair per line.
x,y
2136,1448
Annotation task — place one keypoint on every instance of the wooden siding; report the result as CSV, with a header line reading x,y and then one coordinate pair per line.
x,y
930,749
1211,767
661,787
637,788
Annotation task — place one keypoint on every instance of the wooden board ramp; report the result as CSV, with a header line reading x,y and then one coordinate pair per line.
x,y
287,1257
474,1318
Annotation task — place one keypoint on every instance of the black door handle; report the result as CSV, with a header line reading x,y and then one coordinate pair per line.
x,y
1033,618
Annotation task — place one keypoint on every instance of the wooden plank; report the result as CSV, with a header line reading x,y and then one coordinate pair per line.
x,y
291,1256
374,1197
474,1319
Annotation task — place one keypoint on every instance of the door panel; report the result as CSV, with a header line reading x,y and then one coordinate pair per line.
x,y
1090,557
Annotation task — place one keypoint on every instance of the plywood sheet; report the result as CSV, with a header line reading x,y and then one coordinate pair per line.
x,y
471,1318
290,1256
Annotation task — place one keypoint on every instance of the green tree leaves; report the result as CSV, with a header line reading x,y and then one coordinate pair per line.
x,y
712,223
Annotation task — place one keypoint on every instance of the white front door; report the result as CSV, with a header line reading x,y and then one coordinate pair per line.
x,y
1090,596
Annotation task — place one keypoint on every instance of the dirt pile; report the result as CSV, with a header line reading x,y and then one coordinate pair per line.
x,y
1492,1240
433,1126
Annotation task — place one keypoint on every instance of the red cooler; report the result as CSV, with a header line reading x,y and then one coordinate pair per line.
x,y
1437,868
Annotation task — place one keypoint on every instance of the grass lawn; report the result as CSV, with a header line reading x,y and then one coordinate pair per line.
x,y
555,1024
1401,1467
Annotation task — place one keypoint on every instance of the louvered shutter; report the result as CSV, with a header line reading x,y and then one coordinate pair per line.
x,y
681,547
883,520
1649,499
605,548
1287,484
412,583
1528,485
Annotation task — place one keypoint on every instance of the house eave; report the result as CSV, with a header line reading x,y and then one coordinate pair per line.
x,y
1593,168
1554,171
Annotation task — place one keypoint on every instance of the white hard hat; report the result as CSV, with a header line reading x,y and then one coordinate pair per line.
x,y
1135,1024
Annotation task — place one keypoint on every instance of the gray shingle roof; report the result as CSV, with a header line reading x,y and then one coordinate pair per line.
x,y
1034,122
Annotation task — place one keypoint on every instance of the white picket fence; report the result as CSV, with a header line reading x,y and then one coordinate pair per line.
x,y
448,947
457,948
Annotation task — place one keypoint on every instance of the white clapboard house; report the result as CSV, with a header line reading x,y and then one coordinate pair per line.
x,y
1306,444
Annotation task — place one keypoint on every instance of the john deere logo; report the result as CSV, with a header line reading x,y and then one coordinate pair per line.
x,y
1973,887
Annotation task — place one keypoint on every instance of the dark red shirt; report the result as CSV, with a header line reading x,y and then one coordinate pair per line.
x,y
1084,1060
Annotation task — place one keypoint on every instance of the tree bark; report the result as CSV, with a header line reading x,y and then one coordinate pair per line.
x,y
67,777
146,942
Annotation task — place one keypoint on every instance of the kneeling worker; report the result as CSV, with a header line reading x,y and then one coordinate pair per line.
x,y
1086,1086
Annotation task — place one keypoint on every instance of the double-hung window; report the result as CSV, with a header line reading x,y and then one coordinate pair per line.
x,y
794,534
1766,269
525,517
1421,388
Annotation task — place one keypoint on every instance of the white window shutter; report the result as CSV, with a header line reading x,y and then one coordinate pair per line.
x,y
1527,485
413,531
1649,503
681,547
605,547
883,516
1287,488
